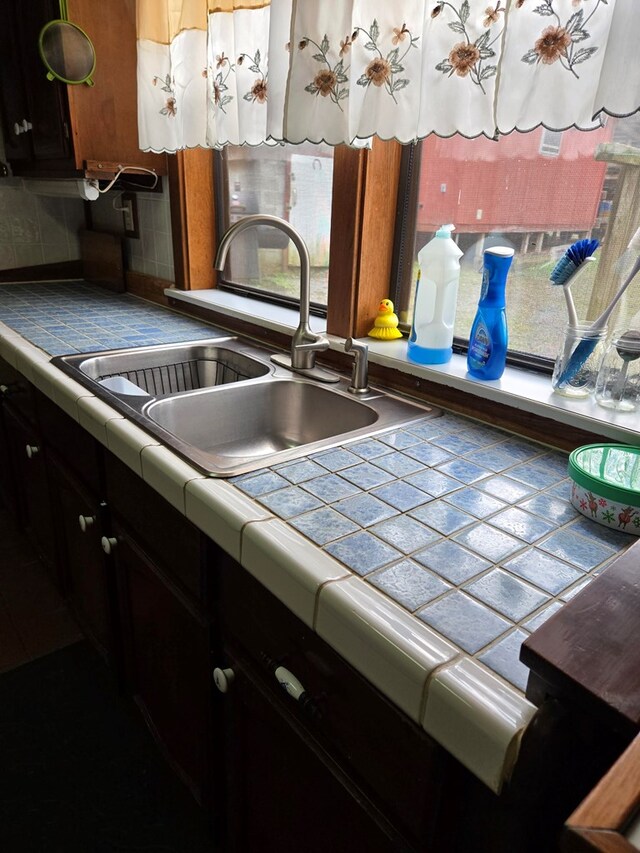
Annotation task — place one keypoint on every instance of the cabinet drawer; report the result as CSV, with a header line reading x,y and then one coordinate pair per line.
x,y
393,762
164,533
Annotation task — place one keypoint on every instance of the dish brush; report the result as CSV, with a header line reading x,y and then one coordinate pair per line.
x,y
586,347
570,266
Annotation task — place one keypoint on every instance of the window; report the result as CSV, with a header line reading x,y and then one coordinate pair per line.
x,y
509,193
550,143
294,182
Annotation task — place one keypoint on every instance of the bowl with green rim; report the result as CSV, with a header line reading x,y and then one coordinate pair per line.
x,y
606,485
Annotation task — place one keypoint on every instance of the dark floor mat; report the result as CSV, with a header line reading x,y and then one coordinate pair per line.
x,y
79,773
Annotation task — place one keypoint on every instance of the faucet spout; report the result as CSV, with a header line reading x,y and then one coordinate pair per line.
x,y
305,343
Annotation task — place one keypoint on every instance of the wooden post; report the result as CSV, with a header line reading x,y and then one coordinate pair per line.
x,y
624,221
539,242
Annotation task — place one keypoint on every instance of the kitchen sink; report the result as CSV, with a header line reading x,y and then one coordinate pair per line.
x,y
226,409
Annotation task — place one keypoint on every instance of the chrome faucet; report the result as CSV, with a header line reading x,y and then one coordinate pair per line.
x,y
305,343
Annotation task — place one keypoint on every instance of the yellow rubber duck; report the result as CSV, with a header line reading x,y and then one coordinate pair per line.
x,y
385,326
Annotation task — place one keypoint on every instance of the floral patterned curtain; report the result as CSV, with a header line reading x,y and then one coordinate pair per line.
x,y
250,71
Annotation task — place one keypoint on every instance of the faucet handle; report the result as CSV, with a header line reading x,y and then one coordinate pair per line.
x,y
359,377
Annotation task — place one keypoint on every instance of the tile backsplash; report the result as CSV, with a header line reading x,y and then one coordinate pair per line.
x,y
152,253
37,230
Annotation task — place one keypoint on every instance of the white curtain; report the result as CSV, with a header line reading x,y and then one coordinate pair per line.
x,y
251,71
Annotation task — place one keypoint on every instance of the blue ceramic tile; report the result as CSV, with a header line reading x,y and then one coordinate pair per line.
x,y
543,570
442,517
491,458
366,475
454,423
433,483
556,463
409,584
616,539
365,510
427,429
464,621
428,454
398,464
532,476
335,460
404,533
521,450
553,509
455,444
521,524
323,525
401,495
489,542
578,550
464,470
504,658
568,594
540,618
561,490
289,502
505,488
330,488
482,436
261,484
369,449
399,440
475,502
298,472
362,552
451,561
508,595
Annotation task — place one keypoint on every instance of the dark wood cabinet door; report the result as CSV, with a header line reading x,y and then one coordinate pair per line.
x,y
13,96
284,793
166,650
33,496
85,580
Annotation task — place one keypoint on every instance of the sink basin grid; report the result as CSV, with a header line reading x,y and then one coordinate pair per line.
x,y
226,409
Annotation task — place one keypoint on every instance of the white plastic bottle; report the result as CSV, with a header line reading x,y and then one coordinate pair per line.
x,y
434,310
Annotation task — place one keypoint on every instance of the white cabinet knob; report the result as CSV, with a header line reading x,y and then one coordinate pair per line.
x,y
31,450
85,521
22,127
223,679
108,544
4,389
289,682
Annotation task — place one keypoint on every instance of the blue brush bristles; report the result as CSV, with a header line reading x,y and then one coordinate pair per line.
x,y
573,258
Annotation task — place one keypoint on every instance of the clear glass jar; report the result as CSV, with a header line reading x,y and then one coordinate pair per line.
x,y
576,367
618,381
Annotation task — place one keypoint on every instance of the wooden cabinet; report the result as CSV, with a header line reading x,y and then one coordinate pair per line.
x,y
375,791
157,556
27,473
53,129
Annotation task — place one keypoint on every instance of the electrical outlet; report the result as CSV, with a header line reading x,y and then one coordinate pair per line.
x,y
129,215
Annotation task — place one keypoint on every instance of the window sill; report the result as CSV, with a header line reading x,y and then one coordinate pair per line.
x,y
520,389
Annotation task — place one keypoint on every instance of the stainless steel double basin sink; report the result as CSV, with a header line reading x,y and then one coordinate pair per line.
x,y
224,407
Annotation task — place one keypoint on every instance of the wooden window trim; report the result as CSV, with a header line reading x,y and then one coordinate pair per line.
x,y
363,211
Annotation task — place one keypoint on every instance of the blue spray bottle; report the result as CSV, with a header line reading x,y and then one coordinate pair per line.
x,y
488,339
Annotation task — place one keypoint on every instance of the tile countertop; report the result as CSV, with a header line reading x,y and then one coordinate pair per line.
x,y
436,548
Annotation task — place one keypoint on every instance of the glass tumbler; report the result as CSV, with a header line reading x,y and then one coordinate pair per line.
x,y
576,367
618,381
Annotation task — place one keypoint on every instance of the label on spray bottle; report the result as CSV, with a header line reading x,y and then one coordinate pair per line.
x,y
480,348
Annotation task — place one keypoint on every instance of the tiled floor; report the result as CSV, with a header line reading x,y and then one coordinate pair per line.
x,y
34,619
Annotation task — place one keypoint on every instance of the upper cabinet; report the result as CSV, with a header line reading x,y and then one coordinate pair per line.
x,y
51,128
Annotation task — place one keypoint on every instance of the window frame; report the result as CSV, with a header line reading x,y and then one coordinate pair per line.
x,y
363,213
